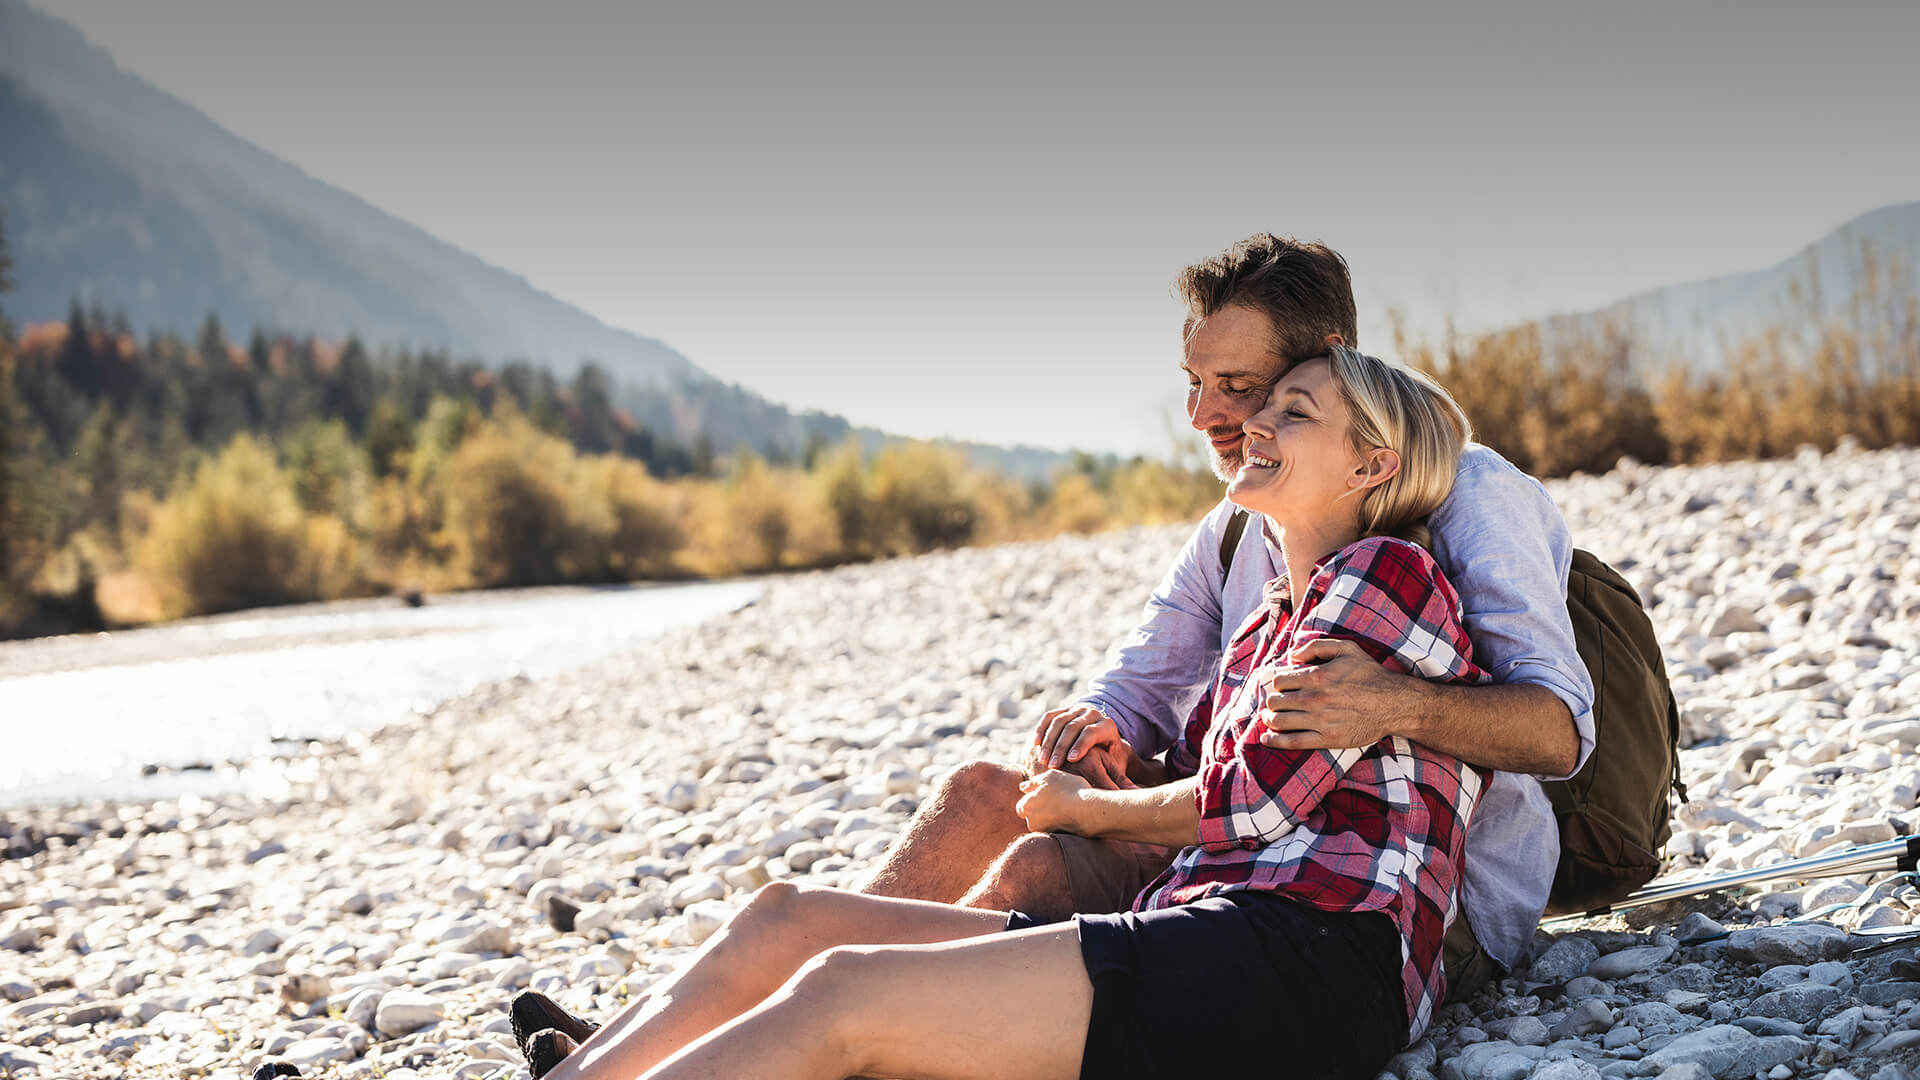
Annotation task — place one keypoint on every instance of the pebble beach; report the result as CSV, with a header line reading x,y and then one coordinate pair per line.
x,y
375,920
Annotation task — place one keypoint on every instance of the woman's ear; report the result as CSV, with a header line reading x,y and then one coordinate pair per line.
x,y
1377,467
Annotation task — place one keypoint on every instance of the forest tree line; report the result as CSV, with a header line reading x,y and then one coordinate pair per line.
x,y
150,478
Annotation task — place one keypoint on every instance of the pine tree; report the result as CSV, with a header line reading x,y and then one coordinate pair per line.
x,y
12,476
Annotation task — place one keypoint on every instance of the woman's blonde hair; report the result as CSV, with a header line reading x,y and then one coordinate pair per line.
x,y
1406,411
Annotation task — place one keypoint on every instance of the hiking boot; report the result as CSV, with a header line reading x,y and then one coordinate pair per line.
x,y
534,1012
547,1049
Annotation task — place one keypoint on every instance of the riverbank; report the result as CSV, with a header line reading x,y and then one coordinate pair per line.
x,y
375,921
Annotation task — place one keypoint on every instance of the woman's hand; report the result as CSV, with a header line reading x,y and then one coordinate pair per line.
x,y
1053,801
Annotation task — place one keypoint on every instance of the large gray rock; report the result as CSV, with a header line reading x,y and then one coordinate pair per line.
x,y
1586,1017
1564,959
1653,1017
1800,1003
1796,943
1416,1058
1565,1069
1619,965
1472,1063
1697,978
1888,993
1727,1051
1844,1026
1893,1041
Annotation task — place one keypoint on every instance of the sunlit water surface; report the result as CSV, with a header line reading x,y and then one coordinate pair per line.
x,y
90,717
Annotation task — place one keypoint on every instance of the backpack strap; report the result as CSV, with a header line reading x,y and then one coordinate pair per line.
x,y
1230,541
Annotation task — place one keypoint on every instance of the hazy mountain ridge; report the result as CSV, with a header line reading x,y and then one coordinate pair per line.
x,y
121,194
1865,272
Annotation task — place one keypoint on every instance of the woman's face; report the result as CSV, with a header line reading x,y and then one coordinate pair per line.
x,y
1301,469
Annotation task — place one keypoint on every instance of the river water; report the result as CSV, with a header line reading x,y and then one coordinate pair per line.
x,y
219,704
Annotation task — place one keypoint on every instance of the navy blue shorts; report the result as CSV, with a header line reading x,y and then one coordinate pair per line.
x,y
1247,983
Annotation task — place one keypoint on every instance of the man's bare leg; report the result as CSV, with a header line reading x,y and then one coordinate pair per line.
x,y
1029,877
955,838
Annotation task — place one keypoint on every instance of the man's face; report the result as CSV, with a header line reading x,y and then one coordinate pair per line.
x,y
1230,367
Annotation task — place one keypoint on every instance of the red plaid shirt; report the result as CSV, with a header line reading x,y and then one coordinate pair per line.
x,y
1374,829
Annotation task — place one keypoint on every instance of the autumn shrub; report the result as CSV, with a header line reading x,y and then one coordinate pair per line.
x,y
634,522
758,518
233,536
1075,506
508,516
922,498
843,488
1144,492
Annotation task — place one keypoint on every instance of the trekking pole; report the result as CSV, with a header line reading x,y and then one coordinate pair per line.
x,y
1901,855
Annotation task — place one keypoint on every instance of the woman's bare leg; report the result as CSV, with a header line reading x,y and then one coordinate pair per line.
x,y
759,949
1006,1007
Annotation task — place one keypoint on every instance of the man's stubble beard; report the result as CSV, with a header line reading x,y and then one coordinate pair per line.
x,y
1227,466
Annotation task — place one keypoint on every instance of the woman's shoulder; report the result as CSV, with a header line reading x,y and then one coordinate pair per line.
x,y
1382,555
1397,572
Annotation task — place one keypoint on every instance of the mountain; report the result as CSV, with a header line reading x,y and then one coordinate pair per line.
x,y
119,194
1864,275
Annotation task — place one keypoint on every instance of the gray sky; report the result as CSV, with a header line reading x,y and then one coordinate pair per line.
x,y
962,219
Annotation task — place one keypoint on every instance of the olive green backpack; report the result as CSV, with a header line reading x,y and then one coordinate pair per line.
x,y
1613,813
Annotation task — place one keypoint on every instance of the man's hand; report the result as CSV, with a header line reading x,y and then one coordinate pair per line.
x,y
1081,740
1052,801
1334,696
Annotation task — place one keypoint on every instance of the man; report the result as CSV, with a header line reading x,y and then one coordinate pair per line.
x,y
1254,311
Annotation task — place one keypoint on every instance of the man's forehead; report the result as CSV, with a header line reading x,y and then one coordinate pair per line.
x,y
1233,364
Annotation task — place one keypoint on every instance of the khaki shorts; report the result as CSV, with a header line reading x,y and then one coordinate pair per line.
x,y
1468,966
1106,876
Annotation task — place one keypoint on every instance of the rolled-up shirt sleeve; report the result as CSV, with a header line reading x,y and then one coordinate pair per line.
x,y
1163,664
1505,547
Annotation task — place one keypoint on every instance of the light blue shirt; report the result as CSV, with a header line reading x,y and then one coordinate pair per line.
x,y
1503,544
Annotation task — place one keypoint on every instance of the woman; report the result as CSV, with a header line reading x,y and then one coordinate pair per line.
x,y
1299,927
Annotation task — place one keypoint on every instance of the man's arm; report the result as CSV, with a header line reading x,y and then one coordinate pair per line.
x,y
1164,663
1345,699
1506,550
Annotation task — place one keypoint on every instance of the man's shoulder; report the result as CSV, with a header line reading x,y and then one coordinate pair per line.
x,y
1483,467
1214,524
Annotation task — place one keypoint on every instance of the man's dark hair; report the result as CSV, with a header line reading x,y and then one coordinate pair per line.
x,y
1302,287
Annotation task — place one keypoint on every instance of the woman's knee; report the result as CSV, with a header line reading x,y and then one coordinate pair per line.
x,y
778,909
836,991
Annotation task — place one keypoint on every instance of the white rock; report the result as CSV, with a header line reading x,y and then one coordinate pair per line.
x,y
402,1012
693,889
308,1054
705,918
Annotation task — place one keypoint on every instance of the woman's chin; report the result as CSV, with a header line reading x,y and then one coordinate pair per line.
x,y
1249,491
